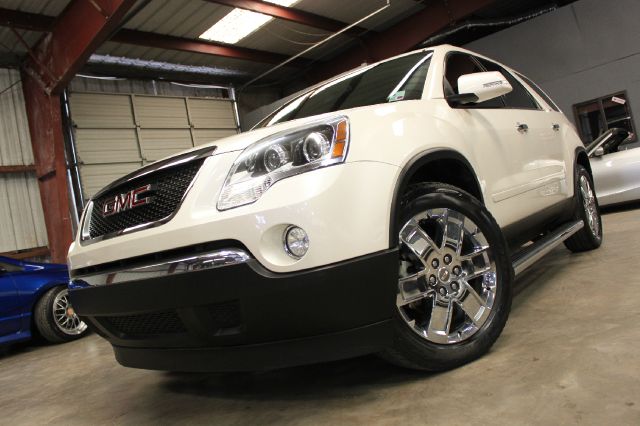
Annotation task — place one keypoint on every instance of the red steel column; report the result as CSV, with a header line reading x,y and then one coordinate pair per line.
x,y
47,141
50,65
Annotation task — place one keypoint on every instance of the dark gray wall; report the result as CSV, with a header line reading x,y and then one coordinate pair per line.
x,y
588,49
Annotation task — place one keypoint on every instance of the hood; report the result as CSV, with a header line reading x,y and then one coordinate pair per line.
x,y
34,266
50,267
243,140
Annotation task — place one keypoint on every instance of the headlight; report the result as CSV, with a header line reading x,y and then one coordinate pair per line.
x,y
295,151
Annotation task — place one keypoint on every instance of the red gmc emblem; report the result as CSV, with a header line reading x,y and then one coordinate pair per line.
x,y
128,200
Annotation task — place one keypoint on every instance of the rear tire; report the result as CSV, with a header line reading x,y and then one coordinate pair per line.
x,y
55,319
587,210
449,312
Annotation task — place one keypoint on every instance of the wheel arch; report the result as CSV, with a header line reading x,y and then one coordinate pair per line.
x,y
444,166
582,159
44,287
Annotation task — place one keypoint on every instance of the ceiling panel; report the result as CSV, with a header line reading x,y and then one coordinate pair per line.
x,y
10,43
45,7
190,18
354,10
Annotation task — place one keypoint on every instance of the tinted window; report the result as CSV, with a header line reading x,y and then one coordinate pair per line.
x,y
8,267
400,79
459,64
540,93
519,97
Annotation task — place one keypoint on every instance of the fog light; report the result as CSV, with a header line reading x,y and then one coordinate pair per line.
x,y
296,242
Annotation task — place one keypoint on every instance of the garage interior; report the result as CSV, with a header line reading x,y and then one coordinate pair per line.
x,y
91,90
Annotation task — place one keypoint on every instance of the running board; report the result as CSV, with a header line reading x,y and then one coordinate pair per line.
x,y
531,254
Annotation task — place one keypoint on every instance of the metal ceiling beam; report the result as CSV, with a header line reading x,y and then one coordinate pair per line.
x,y
400,38
289,14
75,35
43,23
25,20
161,41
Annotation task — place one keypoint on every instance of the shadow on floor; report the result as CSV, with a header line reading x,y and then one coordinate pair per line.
x,y
19,348
332,380
624,207
36,342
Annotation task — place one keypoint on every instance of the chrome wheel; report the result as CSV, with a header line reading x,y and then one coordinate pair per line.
x,y
590,206
448,279
65,316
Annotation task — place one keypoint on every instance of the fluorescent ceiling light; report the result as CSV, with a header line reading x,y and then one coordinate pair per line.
x,y
239,23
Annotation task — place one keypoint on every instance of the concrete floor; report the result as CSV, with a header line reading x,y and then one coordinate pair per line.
x,y
570,354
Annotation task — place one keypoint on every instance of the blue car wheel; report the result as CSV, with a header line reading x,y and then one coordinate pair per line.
x,y
55,317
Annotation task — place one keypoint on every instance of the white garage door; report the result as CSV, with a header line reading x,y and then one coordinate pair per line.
x,y
117,133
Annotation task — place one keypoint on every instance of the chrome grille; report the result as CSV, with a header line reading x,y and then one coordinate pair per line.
x,y
168,189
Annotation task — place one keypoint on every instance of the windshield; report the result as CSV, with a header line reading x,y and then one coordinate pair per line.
x,y
399,79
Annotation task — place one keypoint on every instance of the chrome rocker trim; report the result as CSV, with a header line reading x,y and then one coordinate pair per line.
x,y
215,259
543,246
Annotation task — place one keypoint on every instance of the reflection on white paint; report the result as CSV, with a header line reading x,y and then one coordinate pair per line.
x,y
549,190
398,127
385,110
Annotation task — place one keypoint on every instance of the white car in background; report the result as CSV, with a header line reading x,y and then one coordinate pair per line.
x,y
385,211
615,162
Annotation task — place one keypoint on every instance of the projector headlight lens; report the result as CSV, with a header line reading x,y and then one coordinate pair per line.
x,y
318,144
315,146
275,157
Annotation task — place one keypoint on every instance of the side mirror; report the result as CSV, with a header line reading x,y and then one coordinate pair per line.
x,y
599,152
479,87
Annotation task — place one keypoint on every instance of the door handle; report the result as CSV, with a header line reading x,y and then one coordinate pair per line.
x,y
522,127
556,127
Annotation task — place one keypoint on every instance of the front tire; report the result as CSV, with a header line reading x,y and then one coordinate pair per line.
x,y
587,209
55,318
455,279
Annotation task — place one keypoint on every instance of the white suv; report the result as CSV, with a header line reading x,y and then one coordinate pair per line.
x,y
384,211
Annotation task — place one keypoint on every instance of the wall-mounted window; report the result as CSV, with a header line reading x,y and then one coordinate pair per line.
x,y
599,115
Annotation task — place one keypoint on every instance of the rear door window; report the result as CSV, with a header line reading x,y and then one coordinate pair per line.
x,y
540,93
8,267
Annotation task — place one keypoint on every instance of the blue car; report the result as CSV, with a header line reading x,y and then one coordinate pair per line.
x,y
34,296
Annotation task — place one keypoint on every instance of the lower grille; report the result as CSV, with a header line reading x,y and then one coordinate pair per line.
x,y
225,315
143,325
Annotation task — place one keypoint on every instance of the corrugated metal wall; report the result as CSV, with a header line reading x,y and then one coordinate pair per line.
x,y
21,218
120,125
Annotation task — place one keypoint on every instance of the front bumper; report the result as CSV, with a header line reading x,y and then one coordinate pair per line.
x,y
242,317
344,209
